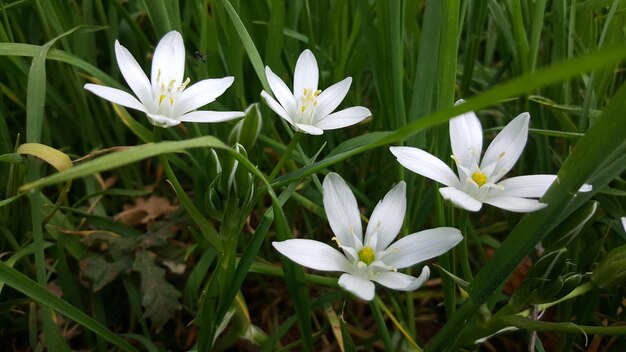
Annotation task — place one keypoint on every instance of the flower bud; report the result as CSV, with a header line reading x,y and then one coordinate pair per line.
x,y
233,182
610,272
247,130
548,279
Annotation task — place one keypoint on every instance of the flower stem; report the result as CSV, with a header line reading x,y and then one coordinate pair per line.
x,y
447,261
463,256
413,345
382,327
294,142
207,229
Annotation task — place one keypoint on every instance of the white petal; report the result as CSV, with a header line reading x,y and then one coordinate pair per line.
x,y
306,74
274,105
309,129
515,204
344,118
169,59
133,74
358,286
530,186
426,165
466,137
387,218
421,246
330,98
116,96
585,188
281,92
624,222
508,144
162,121
211,116
460,199
402,282
342,210
202,93
314,255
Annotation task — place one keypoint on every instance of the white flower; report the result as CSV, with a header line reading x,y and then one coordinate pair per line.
x,y
164,98
373,258
624,222
479,181
308,109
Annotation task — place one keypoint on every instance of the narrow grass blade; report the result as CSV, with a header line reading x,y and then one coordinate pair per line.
x,y
164,14
248,44
128,156
28,287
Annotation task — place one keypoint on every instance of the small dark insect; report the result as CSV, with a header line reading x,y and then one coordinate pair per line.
x,y
200,56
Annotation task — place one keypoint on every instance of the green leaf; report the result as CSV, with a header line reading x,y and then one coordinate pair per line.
x,y
100,272
114,240
128,156
247,130
31,289
164,14
159,297
248,44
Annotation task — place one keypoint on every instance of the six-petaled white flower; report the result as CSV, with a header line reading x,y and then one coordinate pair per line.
x,y
165,98
307,108
373,257
479,181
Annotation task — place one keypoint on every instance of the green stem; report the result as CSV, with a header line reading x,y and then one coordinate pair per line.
x,y
578,291
382,327
447,261
207,229
463,255
294,142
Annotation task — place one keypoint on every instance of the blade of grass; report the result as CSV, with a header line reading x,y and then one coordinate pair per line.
x,y
392,62
164,15
248,44
35,102
275,32
31,289
125,157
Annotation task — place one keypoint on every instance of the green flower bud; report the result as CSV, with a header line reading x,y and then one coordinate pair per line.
x,y
232,183
610,272
547,280
247,130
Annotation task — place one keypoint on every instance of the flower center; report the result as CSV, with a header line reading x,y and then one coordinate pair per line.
x,y
170,92
308,101
480,178
366,255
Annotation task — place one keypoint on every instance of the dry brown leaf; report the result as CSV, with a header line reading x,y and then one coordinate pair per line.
x,y
145,210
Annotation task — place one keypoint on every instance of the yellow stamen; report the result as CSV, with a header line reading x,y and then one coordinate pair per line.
x,y
184,85
480,178
367,255
161,98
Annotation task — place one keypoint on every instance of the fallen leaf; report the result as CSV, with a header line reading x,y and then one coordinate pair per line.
x,y
145,210
159,297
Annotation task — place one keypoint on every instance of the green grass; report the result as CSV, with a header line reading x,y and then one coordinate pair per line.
x,y
77,275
